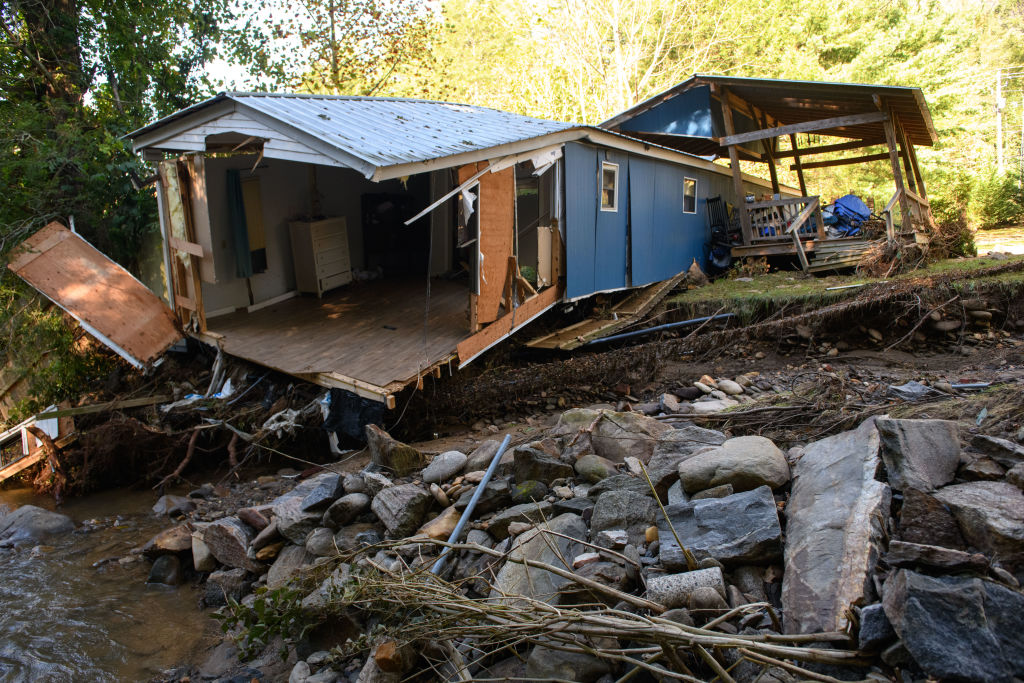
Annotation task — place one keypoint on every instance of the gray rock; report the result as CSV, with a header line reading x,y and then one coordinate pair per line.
x,y
679,615
548,664
371,673
172,506
991,517
355,536
30,525
202,559
727,386
902,554
1015,476
624,510
535,464
177,539
676,494
391,454
529,491
444,466
924,519
375,482
227,583
526,512
496,495
834,529
321,543
613,539
875,629
353,483
300,673
577,506
919,454
714,492
345,509
682,443
402,508
166,570
516,579
745,462
266,537
614,436
705,598
326,488
957,628
1005,452
740,529
288,565
294,522
593,468
619,482
673,590
482,455
228,540
750,580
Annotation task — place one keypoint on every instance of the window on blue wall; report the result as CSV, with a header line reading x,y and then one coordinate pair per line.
x,y
689,195
609,186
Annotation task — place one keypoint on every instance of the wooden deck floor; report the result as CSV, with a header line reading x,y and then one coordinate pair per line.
x,y
370,331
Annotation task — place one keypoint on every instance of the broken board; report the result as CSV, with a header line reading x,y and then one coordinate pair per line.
x,y
103,297
627,312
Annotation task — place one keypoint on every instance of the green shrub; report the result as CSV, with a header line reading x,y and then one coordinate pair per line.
x,y
996,201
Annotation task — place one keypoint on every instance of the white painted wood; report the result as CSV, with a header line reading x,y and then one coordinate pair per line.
x,y
320,251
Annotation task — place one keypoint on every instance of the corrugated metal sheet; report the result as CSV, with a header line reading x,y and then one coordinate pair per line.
x,y
387,131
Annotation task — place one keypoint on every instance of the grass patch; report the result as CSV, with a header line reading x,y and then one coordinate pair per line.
x,y
766,294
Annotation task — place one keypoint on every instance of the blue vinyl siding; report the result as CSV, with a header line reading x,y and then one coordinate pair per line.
x,y
647,239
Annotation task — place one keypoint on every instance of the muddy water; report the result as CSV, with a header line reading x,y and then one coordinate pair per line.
x,y
61,619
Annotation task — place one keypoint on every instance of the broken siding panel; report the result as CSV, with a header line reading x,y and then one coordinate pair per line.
x,y
101,295
496,204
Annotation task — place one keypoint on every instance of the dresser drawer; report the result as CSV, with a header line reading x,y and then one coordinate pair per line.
x,y
326,242
335,280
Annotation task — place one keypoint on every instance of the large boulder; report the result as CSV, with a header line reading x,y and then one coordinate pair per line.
x,y
526,512
991,517
30,525
834,531
919,454
739,529
923,519
746,462
517,579
626,510
177,539
672,448
391,454
173,506
291,563
609,434
301,510
402,508
963,629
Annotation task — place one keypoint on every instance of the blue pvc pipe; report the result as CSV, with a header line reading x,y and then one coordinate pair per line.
x,y
472,503
666,326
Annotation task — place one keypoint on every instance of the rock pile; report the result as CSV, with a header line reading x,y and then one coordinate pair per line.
x,y
884,539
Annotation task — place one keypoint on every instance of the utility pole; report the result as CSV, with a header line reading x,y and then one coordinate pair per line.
x,y
1000,165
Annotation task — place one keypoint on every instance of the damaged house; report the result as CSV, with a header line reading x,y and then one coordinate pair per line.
x,y
365,244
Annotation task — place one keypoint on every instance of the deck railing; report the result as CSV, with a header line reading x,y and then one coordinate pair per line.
x,y
917,206
772,220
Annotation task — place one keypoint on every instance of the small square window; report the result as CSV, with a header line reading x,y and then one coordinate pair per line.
x,y
609,186
689,195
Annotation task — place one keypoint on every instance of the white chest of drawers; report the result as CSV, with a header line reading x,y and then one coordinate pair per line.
x,y
320,251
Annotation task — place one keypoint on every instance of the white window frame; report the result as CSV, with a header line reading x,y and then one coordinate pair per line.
x,y
694,181
608,165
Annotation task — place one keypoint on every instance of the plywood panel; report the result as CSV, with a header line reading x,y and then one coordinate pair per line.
x,y
97,292
580,216
497,218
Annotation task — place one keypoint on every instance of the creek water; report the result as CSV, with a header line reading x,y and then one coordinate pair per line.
x,y
62,619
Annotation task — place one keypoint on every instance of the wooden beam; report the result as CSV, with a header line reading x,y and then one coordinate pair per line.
x,y
737,174
104,407
799,167
769,153
844,162
897,174
805,127
823,149
901,138
472,347
917,171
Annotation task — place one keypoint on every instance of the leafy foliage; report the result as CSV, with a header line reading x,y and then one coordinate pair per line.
x,y
274,613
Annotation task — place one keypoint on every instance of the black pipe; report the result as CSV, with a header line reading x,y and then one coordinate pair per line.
x,y
666,326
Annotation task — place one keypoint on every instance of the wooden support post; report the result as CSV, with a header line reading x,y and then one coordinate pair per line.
x,y
901,138
737,174
897,173
799,166
917,171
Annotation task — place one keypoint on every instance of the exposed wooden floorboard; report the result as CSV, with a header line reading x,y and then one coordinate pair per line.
x,y
370,331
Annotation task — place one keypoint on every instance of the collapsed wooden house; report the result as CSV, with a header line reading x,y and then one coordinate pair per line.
x,y
745,119
365,244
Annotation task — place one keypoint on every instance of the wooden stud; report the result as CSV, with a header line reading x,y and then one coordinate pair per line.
x,y
917,171
897,174
901,139
737,174
823,149
797,164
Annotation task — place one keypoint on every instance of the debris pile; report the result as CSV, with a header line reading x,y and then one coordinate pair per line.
x,y
617,545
